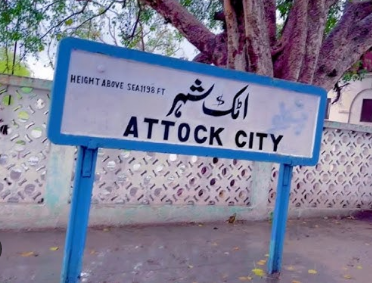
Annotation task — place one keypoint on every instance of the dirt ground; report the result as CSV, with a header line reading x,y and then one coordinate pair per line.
x,y
316,250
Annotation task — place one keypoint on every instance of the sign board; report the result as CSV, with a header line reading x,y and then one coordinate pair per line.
x,y
112,97
105,96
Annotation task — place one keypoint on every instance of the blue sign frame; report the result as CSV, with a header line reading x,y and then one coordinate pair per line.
x,y
67,45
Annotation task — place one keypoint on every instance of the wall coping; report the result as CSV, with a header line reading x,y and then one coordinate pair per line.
x,y
348,127
36,83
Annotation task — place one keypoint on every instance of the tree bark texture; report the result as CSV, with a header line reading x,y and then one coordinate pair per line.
x,y
302,53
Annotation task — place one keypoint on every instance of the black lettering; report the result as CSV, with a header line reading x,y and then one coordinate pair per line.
x,y
261,136
251,137
121,85
276,141
97,80
108,84
151,122
78,79
132,128
128,86
137,88
85,79
196,134
91,80
166,125
73,78
104,83
215,135
180,131
237,142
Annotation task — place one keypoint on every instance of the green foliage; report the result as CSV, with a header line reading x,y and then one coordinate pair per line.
x,y
355,73
283,7
204,10
6,65
334,14
40,25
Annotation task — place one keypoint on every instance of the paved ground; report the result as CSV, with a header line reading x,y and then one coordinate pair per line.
x,y
322,250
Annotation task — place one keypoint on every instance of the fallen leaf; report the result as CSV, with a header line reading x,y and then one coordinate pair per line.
x,y
359,267
316,226
366,243
106,230
200,225
93,251
226,252
28,253
312,271
190,266
345,268
296,281
236,248
290,268
214,244
258,272
54,248
347,276
337,222
261,262
245,278
266,255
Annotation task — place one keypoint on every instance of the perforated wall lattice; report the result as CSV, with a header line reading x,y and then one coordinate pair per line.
x,y
134,178
24,148
342,178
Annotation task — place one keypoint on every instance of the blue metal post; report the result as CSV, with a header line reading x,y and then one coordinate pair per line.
x,y
280,218
79,215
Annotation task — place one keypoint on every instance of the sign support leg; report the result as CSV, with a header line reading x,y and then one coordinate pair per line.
x,y
280,218
79,215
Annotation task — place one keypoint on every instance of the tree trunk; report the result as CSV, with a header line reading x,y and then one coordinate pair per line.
x,y
301,54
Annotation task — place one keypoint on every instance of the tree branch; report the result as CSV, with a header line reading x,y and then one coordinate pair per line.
x,y
235,49
293,42
94,16
190,27
317,18
270,17
345,44
257,36
219,16
202,58
65,19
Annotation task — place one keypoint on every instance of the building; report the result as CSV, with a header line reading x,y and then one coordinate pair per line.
x,y
355,103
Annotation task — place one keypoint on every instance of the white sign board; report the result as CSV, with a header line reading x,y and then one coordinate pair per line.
x,y
122,98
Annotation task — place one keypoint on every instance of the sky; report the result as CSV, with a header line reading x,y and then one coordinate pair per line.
x,y
40,68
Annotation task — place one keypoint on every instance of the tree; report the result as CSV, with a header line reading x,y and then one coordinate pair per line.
x,y
309,41
10,64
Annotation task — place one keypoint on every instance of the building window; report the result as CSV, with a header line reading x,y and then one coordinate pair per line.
x,y
366,115
328,107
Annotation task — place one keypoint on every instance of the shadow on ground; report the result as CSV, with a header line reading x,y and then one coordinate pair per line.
x,y
320,250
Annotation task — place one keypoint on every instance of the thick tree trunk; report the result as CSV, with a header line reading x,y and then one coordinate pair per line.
x,y
301,54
